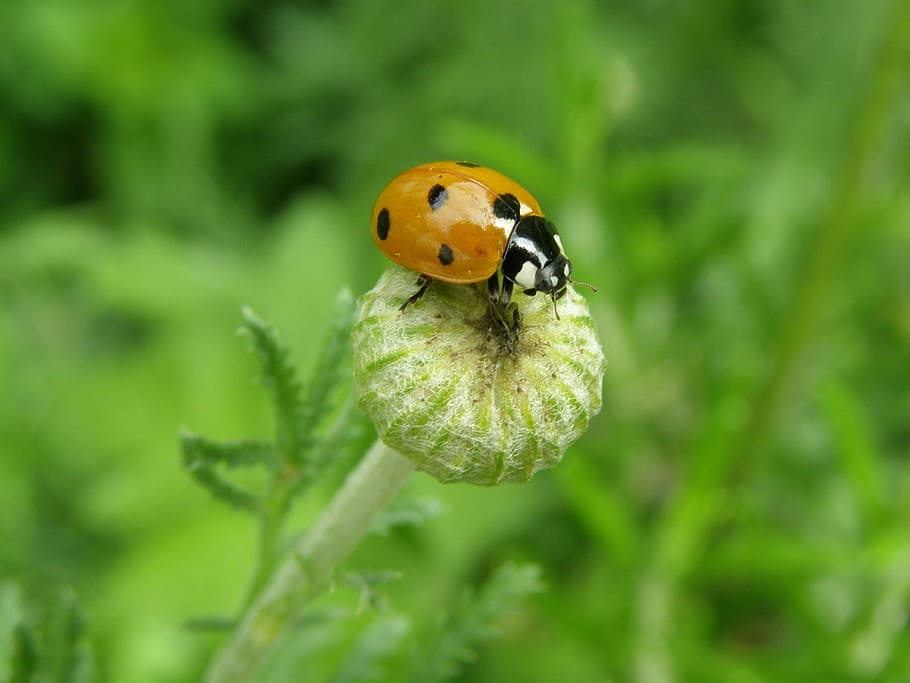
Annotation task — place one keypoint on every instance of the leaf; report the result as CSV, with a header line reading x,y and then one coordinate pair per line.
x,y
299,414
235,496
849,422
473,621
405,511
280,377
329,367
333,445
24,656
381,639
202,456
330,370
366,583
201,450
49,644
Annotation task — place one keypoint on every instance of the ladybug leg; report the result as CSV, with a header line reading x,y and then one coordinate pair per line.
x,y
423,283
493,288
509,307
500,289
504,311
506,295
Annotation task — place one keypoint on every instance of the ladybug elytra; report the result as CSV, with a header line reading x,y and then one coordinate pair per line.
x,y
459,222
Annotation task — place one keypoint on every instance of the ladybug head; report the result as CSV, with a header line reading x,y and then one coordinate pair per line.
x,y
534,259
554,276
553,279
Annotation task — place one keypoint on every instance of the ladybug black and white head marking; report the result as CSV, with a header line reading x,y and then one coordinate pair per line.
x,y
534,259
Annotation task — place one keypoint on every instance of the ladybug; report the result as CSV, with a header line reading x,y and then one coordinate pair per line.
x,y
459,222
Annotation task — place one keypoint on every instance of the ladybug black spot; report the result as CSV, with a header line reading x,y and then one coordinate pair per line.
x,y
437,196
445,255
466,164
383,224
507,206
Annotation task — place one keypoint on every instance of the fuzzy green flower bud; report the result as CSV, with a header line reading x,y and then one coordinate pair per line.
x,y
446,389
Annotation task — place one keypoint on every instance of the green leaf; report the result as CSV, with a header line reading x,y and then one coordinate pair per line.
x,y
405,511
222,489
473,621
330,367
366,582
852,429
280,378
318,403
201,458
333,445
65,628
201,450
24,657
381,639
49,644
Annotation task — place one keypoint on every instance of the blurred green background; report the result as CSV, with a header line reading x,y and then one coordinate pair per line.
x,y
733,174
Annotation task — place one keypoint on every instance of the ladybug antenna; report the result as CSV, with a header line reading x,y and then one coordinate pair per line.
x,y
584,284
553,299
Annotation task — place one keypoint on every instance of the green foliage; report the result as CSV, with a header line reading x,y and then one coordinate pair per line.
x,y
366,660
292,437
300,452
202,457
43,640
472,621
378,642
731,174
406,511
288,460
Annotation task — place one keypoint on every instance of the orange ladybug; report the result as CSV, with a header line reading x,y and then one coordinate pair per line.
x,y
459,222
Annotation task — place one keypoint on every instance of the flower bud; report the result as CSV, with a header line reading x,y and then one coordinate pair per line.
x,y
448,389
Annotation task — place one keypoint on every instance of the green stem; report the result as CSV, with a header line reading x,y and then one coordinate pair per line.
x,y
272,516
308,567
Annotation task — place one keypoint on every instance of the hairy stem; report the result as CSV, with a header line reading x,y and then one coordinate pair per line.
x,y
309,565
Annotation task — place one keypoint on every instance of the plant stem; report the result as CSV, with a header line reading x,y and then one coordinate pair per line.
x,y
308,567
274,509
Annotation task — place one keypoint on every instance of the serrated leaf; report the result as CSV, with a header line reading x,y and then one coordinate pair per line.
x,y
405,511
360,579
331,446
222,489
64,629
327,373
201,450
366,583
48,644
280,377
473,621
381,639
